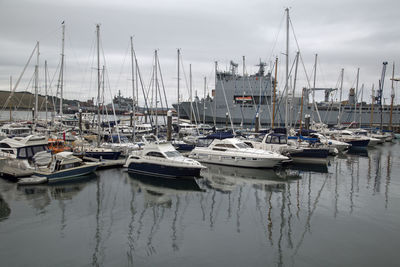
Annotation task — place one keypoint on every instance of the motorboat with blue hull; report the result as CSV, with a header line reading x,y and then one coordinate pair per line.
x,y
312,153
299,152
66,166
162,170
161,159
357,142
182,146
102,153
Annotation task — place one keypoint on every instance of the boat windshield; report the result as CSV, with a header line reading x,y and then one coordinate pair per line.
x,y
242,145
172,154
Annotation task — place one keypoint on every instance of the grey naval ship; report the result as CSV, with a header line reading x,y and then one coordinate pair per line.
x,y
238,98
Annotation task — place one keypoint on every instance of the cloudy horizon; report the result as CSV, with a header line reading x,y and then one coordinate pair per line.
x,y
359,34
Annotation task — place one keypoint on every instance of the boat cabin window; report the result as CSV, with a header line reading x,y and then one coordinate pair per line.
x,y
220,145
69,165
3,145
155,154
30,151
249,144
242,145
9,151
172,154
22,152
272,139
225,145
36,149
229,146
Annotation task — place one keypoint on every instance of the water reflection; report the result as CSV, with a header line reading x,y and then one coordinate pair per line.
x,y
388,175
226,179
358,152
320,168
274,217
160,196
4,209
41,196
158,191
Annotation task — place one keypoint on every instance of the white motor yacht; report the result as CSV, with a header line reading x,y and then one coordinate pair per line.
x,y
20,156
161,159
15,130
234,152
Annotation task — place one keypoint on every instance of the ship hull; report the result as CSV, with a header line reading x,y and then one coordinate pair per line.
x,y
246,115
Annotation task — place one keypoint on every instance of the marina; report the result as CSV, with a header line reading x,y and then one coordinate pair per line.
x,y
284,158
331,217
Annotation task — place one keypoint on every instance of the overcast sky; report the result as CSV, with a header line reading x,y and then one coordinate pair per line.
x,y
345,34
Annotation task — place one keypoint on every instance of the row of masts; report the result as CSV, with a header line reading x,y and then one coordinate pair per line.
x,y
134,72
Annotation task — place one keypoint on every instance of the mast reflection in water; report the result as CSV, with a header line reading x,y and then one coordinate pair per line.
x,y
346,214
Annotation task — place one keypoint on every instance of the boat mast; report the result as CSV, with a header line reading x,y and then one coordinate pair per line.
x,y
301,108
10,95
313,93
133,92
156,88
287,69
61,78
361,102
372,106
98,82
380,92
204,100
215,94
190,92
356,96
179,52
274,98
243,101
294,88
36,85
45,87
391,100
340,97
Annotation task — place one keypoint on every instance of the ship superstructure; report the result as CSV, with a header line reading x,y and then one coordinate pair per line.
x,y
240,97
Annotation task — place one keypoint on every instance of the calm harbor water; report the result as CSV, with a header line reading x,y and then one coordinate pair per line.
x,y
345,215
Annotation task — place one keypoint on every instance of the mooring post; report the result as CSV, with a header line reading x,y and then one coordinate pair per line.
x,y
131,118
169,125
80,121
257,124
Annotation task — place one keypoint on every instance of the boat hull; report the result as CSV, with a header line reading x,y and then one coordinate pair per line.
x,y
103,155
357,144
166,171
69,173
184,147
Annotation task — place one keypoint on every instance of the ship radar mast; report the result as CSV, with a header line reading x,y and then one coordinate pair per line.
x,y
234,67
261,68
